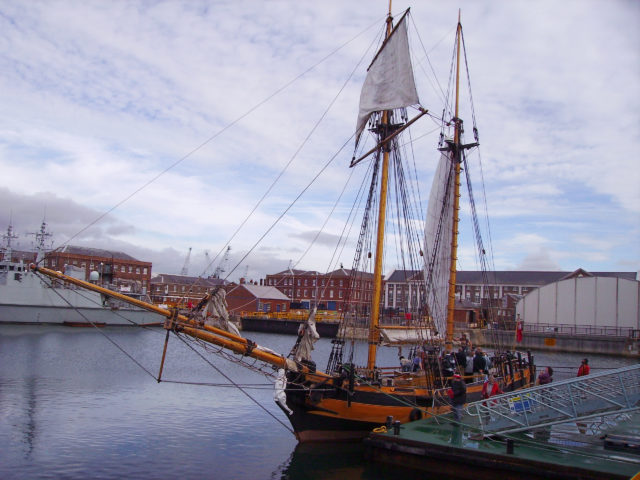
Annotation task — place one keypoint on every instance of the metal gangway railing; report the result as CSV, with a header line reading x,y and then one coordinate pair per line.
x,y
581,398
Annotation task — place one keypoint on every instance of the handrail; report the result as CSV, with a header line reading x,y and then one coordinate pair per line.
x,y
566,329
611,392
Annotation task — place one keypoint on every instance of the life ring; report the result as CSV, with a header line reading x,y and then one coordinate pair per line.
x,y
416,414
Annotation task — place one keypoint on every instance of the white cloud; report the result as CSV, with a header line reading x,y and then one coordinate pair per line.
x,y
100,97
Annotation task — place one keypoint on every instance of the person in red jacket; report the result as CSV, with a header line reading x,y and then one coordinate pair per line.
x,y
584,368
582,371
491,387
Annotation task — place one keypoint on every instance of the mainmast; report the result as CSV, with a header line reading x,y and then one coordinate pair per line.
x,y
382,210
457,159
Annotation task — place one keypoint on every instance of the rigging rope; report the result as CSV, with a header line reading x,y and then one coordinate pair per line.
x,y
243,390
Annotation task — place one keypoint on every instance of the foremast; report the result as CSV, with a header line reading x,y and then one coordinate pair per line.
x,y
374,324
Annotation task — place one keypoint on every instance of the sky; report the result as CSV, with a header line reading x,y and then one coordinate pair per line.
x,y
155,127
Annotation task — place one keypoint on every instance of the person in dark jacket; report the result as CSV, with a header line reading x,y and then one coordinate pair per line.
x,y
458,395
479,362
461,359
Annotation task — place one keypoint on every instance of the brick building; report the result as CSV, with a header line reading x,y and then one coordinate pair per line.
x,y
116,269
181,290
250,297
499,290
329,291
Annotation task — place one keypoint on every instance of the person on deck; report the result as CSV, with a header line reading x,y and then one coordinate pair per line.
x,y
405,364
448,365
479,362
465,343
461,360
417,363
584,368
490,387
546,376
458,395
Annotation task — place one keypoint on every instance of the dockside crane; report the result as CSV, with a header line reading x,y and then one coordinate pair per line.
x,y
220,269
185,267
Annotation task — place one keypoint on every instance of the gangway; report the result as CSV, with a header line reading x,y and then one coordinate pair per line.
x,y
612,392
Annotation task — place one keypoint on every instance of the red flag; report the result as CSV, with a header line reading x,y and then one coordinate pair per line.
x,y
519,332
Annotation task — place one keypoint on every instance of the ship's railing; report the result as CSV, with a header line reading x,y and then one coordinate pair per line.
x,y
581,398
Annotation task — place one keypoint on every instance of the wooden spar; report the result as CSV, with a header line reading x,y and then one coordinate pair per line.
x,y
374,333
186,325
390,137
456,201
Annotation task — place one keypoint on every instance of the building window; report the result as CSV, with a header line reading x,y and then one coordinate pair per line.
x,y
305,293
144,271
138,270
130,268
330,293
122,269
340,282
340,294
298,282
305,282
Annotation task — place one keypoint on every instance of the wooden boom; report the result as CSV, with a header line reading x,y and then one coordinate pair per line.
x,y
186,325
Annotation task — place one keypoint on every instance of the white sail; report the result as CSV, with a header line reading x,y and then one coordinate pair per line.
x,y
438,234
389,83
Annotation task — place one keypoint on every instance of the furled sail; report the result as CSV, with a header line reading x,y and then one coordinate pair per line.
x,y
438,234
389,83
217,315
309,336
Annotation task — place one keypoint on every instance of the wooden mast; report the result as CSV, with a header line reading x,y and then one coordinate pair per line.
x,y
457,151
382,210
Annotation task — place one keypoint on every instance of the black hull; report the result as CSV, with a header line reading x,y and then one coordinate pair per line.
x,y
324,413
289,327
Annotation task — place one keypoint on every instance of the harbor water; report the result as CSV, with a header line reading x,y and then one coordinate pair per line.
x,y
84,403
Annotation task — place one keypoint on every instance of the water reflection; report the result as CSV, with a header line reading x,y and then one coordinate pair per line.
x,y
323,462
73,406
30,424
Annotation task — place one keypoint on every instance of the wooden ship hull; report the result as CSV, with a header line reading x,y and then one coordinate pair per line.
x,y
325,409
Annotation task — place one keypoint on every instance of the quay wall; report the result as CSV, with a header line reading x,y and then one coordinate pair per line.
x,y
552,341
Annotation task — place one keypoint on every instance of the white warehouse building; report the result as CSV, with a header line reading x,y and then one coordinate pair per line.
x,y
583,300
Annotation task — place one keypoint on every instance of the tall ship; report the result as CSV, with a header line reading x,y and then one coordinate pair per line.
x,y
27,298
355,393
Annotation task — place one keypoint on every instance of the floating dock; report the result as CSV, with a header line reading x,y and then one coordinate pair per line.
x,y
583,428
457,451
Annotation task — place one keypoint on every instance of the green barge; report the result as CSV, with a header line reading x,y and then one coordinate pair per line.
x,y
439,446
